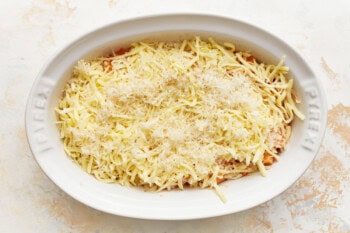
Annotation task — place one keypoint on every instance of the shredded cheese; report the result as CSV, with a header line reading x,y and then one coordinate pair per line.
x,y
164,115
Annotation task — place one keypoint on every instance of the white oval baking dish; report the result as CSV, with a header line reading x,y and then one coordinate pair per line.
x,y
242,194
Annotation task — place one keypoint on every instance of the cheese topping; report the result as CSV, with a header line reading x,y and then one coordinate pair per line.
x,y
168,114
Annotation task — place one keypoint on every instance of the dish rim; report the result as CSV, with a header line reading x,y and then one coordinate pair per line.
x,y
93,31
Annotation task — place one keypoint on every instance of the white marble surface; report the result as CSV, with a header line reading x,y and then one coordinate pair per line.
x,y
31,31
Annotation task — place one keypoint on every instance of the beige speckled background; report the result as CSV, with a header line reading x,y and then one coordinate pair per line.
x,y
32,30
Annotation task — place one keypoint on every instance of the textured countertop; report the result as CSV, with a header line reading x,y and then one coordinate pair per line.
x,y
32,31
